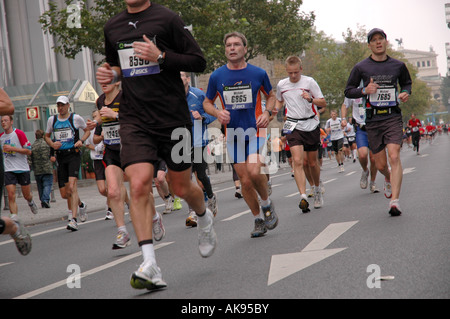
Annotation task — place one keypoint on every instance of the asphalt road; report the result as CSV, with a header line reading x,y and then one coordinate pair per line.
x,y
350,248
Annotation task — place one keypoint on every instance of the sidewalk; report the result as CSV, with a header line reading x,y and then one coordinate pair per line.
x,y
88,192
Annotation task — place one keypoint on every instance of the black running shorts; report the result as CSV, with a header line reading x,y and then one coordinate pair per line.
x,y
141,145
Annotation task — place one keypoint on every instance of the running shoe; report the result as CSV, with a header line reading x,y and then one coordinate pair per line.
x,y
83,214
177,204
191,221
122,240
212,204
168,205
394,208
238,194
109,215
73,226
22,239
311,193
322,187
318,200
374,188
148,276
158,228
260,228
304,206
207,238
342,169
364,179
270,217
33,207
387,189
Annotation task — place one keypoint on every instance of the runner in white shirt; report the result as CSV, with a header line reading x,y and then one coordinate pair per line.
x,y
334,128
350,134
303,99
16,148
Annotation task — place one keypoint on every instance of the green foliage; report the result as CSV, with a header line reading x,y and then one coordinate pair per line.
x,y
275,29
330,64
71,40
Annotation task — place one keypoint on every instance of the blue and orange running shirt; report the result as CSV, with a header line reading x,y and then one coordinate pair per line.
x,y
240,93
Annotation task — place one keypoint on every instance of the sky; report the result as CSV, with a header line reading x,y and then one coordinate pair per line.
x,y
420,23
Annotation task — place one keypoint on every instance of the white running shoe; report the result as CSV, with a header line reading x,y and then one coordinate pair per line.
x,y
82,210
148,276
318,199
207,238
33,207
373,187
212,204
158,228
109,215
22,239
387,189
168,205
122,240
364,179
191,221
73,226
394,208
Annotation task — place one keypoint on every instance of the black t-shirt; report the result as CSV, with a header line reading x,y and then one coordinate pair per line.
x,y
153,94
110,127
388,74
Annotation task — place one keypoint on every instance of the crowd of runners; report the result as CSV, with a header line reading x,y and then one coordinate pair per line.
x,y
147,100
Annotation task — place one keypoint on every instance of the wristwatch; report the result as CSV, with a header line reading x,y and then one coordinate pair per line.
x,y
270,112
161,57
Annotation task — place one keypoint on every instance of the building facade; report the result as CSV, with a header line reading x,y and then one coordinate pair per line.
x,y
426,64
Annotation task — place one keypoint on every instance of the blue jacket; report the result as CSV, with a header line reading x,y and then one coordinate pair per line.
x,y
195,98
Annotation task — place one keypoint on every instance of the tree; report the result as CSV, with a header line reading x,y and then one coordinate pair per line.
x,y
445,92
274,28
330,64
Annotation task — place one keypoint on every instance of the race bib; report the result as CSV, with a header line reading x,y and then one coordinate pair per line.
x,y
111,134
289,126
64,135
131,65
415,129
335,128
384,97
238,97
351,139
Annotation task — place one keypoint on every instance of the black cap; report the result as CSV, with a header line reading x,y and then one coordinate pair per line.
x,y
375,31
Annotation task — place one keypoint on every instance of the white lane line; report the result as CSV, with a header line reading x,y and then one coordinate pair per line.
x,y
236,216
63,282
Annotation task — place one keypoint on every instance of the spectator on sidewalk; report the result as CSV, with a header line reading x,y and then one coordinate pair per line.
x,y
42,167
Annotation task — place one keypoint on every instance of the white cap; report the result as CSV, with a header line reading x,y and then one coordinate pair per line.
x,y
62,99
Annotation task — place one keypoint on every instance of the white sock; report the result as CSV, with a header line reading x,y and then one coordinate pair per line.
x,y
265,203
304,197
203,221
260,216
148,252
122,228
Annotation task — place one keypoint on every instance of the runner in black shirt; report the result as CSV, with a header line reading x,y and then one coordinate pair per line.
x,y
376,79
147,46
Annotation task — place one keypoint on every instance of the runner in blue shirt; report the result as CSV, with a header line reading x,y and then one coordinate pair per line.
x,y
200,140
239,86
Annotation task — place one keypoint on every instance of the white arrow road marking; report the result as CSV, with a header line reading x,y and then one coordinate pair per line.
x,y
409,170
86,273
283,266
